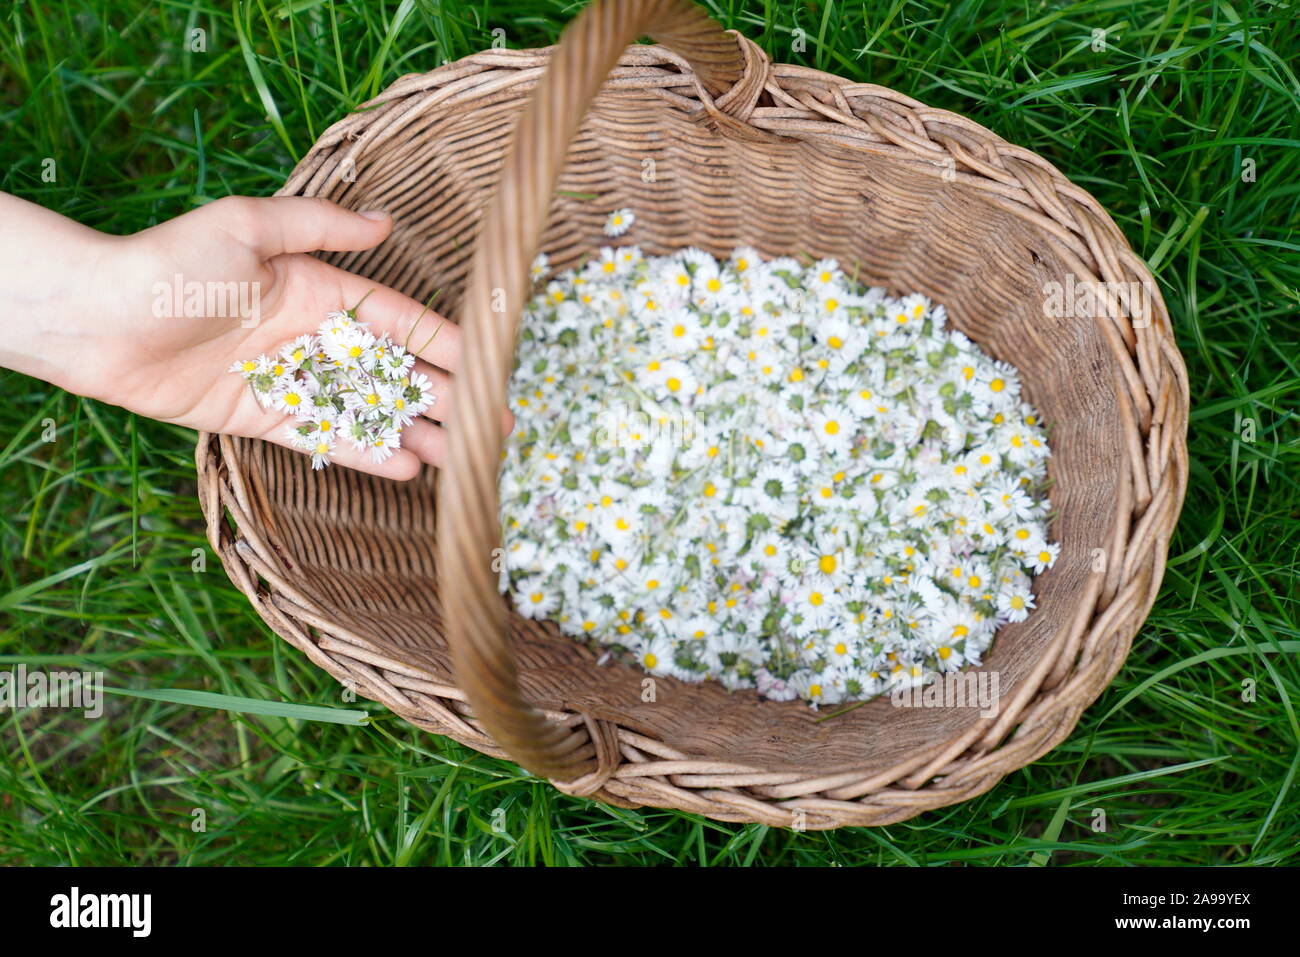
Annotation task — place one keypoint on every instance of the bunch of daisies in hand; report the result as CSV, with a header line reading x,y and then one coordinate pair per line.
x,y
342,383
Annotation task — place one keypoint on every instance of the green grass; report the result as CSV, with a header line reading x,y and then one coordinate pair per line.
x,y
98,527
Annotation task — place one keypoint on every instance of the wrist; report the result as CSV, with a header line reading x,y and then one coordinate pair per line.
x,y
43,258
57,281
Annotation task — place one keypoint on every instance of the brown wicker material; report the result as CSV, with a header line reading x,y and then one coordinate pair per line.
x,y
736,150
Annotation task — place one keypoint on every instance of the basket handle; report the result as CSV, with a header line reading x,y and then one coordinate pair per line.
x,y
469,530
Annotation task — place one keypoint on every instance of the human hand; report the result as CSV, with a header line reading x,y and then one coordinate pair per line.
x,y
87,319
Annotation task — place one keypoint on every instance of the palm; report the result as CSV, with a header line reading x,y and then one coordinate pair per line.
x,y
190,355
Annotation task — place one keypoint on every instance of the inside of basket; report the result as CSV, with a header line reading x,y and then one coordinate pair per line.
x,y
364,547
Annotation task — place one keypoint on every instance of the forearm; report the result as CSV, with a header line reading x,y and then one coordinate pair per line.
x,y
54,286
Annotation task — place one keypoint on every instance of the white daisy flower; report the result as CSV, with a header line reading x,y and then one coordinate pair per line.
x,y
299,351
1014,603
619,222
291,398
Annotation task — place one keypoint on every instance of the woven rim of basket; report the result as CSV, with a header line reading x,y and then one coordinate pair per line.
x,y
635,770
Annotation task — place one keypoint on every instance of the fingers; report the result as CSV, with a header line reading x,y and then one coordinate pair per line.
x,y
441,388
418,449
402,466
273,225
318,288
445,396
410,324
426,441
432,338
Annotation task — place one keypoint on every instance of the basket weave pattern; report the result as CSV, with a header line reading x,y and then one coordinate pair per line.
x,y
739,150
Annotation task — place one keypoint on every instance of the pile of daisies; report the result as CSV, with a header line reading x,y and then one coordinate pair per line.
x,y
765,474
343,383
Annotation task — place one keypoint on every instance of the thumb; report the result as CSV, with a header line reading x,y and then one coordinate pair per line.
x,y
300,224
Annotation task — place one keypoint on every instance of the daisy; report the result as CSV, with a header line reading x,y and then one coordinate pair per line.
x,y
1044,557
679,333
300,350
351,346
619,222
833,426
291,397
417,390
382,442
1014,603
540,599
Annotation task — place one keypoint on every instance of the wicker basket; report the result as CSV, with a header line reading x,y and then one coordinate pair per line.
x,y
487,160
